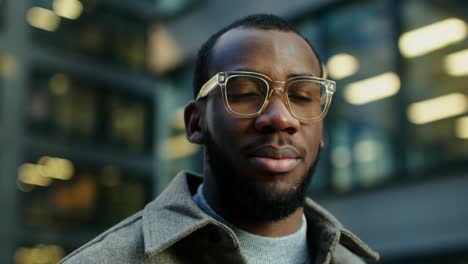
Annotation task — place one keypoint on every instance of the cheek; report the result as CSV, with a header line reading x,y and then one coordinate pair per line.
x,y
313,139
225,129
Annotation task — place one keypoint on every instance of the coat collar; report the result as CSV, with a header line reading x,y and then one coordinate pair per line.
x,y
328,232
173,215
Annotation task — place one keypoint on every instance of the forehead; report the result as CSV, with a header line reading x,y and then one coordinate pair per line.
x,y
271,52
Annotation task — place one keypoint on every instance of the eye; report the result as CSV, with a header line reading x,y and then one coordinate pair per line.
x,y
303,92
244,96
244,87
300,98
302,95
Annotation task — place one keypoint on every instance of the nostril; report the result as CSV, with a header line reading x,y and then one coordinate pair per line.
x,y
290,130
275,119
267,129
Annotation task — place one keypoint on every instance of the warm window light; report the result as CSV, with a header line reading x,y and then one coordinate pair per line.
x,y
372,89
178,119
8,66
456,63
29,173
178,147
39,254
342,65
437,108
70,9
56,168
432,37
164,52
461,127
47,169
42,18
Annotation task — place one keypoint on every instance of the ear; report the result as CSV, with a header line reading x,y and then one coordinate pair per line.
x,y
193,119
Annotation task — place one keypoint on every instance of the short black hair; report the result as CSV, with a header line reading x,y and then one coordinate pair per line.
x,y
255,21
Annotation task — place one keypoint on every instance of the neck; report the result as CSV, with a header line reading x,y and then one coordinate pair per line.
x,y
283,227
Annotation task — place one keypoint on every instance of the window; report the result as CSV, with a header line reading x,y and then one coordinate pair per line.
x,y
71,109
91,31
373,133
436,94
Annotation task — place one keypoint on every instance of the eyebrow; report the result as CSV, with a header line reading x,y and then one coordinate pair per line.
x,y
292,75
300,74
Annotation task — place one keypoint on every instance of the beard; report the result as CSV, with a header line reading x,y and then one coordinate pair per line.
x,y
250,201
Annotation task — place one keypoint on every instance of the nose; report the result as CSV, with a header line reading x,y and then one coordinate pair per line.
x,y
276,117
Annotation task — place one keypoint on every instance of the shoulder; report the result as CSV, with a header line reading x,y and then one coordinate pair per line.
x,y
333,240
342,255
123,243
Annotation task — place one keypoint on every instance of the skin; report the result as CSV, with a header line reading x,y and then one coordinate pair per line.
x,y
256,145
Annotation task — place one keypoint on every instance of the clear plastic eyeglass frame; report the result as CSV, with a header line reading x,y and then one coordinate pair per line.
x,y
220,79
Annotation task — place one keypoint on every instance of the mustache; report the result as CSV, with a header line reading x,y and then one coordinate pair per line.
x,y
274,148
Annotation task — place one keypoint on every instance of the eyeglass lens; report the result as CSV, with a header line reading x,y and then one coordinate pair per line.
x,y
247,94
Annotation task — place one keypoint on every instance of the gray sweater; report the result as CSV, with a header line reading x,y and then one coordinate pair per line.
x,y
264,250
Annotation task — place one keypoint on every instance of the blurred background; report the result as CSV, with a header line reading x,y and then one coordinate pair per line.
x,y
91,99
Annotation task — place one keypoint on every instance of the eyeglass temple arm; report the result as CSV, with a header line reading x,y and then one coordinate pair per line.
x,y
207,87
324,71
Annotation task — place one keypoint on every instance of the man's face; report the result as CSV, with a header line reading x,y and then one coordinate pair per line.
x,y
263,161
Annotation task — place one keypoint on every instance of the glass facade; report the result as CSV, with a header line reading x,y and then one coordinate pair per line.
x,y
85,135
372,137
2,15
77,110
359,146
437,141
98,33
95,196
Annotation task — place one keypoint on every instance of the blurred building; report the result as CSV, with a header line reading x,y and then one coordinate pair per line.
x,y
91,99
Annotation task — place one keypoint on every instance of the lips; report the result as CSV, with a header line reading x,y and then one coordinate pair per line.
x,y
275,159
276,152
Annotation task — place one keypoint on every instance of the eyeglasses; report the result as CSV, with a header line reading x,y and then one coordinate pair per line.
x,y
247,94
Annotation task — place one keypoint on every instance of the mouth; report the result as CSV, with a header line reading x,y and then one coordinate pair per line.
x,y
274,165
275,159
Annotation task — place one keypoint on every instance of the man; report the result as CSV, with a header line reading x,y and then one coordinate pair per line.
x,y
260,102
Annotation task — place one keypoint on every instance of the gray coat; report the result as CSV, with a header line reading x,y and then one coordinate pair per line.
x,y
172,229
